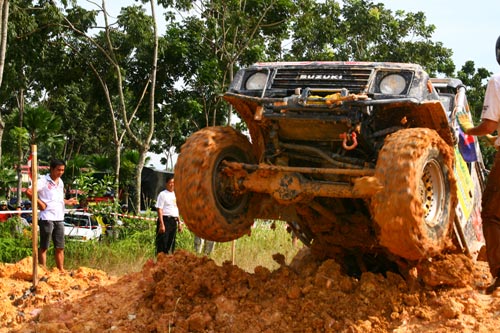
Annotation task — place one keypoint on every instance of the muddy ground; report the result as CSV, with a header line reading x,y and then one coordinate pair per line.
x,y
186,293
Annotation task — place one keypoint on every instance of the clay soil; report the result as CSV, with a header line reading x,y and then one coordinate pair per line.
x,y
186,293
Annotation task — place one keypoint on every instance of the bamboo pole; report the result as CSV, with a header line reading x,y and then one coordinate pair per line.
x,y
233,251
34,209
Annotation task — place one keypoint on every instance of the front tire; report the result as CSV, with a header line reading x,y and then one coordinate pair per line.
x,y
207,201
415,209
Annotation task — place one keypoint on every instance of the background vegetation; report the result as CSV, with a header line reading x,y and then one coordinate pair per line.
x,y
135,246
101,90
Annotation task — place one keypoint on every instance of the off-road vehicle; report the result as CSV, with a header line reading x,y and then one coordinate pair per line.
x,y
357,157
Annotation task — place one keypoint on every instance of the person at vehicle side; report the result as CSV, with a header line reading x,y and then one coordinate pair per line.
x,y
4,207
168,221
203,245
83,205
27,216
51,200
20,221
490,214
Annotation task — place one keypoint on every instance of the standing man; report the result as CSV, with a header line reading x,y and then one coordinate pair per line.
x,y
203,245
168,218
490,214
52,203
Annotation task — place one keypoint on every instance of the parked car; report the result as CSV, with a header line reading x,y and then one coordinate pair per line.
x,y
80,226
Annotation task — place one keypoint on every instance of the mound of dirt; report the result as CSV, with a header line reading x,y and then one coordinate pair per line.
x,y
186,293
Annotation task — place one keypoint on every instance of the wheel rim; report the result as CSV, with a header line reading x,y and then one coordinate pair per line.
x,y
432,192
228,198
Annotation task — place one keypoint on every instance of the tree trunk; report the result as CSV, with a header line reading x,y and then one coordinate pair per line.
x,y
144,144
117,172
4,5
20,153
138,179
4,15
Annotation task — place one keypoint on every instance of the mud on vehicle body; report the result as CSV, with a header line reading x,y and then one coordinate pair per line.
x,y
356,157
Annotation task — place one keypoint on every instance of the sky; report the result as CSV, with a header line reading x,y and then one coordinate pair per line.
x,y
469,28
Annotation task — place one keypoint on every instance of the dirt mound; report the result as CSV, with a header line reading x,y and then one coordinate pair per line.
x,y
186,293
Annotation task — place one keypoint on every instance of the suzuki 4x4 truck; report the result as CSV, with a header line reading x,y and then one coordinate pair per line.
x,y
357,157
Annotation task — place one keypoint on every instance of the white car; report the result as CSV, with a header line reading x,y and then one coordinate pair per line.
x,y
82,227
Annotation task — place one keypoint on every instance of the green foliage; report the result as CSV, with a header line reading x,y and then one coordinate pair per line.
x,y
8,178
74,168
43,128
15,241
362,30
19,136
13,250
135,246
202,47
129,159
115,257
488,153
267,239
129,253
101,163
475,81
52,68
92,186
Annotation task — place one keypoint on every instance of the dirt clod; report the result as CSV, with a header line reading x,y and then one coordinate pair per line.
x,y
186,293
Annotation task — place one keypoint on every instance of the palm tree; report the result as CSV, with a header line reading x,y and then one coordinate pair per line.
x,y
101,163
43,127
74,168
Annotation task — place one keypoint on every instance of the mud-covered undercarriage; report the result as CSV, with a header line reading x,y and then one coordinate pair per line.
x,y
352,169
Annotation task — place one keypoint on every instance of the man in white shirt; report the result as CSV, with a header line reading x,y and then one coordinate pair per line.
x,y
490,214
51,201
168,218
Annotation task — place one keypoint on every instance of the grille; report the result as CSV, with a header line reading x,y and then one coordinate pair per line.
x,y
353,79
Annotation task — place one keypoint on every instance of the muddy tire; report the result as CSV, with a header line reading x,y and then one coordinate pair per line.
x,y
415,209
206,200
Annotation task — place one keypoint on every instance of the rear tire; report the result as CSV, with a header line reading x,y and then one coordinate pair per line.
x,y
415,209
207,201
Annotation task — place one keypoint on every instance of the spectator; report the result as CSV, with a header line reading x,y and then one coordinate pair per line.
x,y
52,203
295,239
83,204
168,218
292,229
27,216
20,217
13,203
4,207
490,213
203,245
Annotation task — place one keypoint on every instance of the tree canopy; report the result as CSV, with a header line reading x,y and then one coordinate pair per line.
x,y
113,84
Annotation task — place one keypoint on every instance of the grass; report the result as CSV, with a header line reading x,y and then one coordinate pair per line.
x,y
131,251
257,249
113,257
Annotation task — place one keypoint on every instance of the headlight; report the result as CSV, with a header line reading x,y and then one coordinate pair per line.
x,y
392,84
256,81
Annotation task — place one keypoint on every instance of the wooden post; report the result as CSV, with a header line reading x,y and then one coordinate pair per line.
x,y
233,251
34,210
